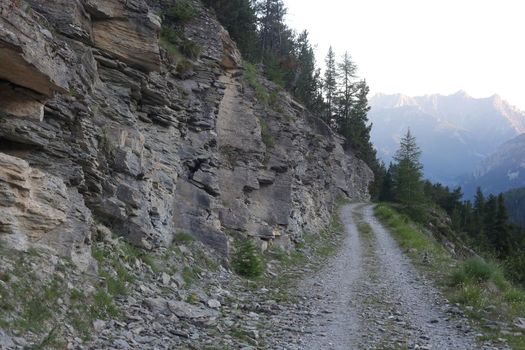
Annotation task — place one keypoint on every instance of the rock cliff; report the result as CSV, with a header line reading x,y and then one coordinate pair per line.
x,y
100,126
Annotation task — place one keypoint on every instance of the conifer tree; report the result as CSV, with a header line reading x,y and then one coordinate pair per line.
x,y
501,231
239,18
272,26
490,210
387,189
344,96
408,183
478,213
306,82
358,133
330,84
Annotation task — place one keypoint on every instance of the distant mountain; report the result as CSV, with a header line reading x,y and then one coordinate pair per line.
x,y
515,202
502,170
455,132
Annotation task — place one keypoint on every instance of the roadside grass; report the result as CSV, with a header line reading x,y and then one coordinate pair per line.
x,y
425,251
479,286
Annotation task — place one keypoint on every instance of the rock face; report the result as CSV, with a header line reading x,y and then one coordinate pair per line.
x,y
38,208
129,141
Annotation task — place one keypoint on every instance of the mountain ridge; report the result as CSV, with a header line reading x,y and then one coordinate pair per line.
x,y
501,171
455,132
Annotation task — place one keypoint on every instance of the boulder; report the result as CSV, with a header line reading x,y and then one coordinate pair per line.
x,y
68,17
19,102
37,208
127,30
231,58
30,57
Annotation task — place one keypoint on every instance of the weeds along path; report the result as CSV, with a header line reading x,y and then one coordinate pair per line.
x,y
370,296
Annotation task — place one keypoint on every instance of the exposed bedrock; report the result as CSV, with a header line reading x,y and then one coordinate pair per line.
x,y
98,127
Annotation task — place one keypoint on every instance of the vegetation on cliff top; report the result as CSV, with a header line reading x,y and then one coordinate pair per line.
x,y
287,58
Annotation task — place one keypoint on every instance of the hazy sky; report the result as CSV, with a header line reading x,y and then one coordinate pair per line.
x,y
419,47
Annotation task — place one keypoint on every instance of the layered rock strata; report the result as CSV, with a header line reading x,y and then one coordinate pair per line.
x,y
97,124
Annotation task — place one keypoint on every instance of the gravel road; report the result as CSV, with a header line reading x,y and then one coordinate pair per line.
x,y
370,296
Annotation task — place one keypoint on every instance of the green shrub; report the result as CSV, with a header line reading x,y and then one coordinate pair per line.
x,y
177,45
181,12
515,295
275,72
267,137
169,35
515,267
184,66
97,253
247,260
190,49
190,274
116,286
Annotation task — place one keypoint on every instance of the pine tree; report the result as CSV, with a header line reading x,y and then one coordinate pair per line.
x,y
330,84
408,185
387,189
272,27
478,214
358,132
501,232
490,210
306,82
344,96
239,18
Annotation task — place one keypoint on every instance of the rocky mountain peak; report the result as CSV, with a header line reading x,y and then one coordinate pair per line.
x,y
381,100
464,128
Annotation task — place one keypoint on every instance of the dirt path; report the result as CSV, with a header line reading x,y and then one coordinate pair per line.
x,y
370,296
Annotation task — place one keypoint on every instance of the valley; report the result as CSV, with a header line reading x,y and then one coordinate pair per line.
x,y
458,136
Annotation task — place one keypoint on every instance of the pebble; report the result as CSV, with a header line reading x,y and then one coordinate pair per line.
x,y
214,304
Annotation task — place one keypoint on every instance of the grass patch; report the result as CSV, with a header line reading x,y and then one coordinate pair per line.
x,y
103,306
411,238
129,253
51,340
242,335
192,298
183,237
190,274
268,98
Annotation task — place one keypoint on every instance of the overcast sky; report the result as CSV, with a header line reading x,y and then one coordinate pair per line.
x,y
419,47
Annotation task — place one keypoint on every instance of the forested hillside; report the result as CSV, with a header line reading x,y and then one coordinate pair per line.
x,y
515,202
